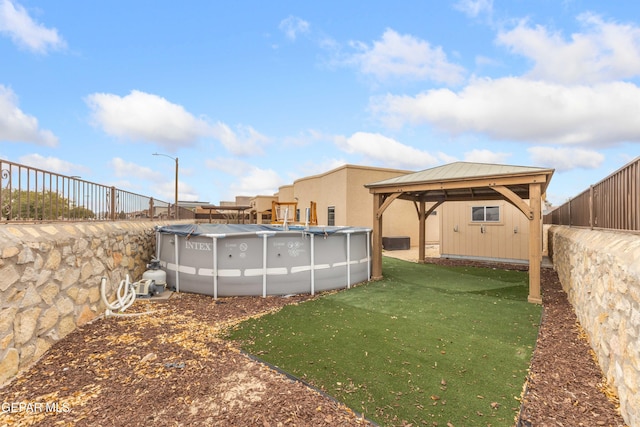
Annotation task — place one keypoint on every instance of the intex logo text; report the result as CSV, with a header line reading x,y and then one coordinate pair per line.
x,y
198,246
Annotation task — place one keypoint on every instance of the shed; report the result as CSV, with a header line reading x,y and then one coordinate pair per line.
x,y
466,181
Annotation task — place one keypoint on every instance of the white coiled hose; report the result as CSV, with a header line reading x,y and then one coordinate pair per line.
x,y
125,296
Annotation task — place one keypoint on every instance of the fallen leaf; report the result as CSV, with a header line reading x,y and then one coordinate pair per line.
x,y
149,358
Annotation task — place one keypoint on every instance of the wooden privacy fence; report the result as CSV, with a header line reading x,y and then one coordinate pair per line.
x,y
613,203
29,194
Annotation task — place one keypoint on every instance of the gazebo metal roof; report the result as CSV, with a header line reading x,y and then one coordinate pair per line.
x,y
463,181
460,170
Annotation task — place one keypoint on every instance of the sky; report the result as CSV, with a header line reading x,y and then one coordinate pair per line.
x,y
251,95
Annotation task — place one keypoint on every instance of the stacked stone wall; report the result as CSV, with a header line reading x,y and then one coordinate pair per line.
x,y
600,272
50,278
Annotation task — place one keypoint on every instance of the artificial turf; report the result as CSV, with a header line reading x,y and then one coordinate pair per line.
x,y
427,345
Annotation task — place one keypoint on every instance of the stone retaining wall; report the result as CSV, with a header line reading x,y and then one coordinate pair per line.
x,y
50,278
600,272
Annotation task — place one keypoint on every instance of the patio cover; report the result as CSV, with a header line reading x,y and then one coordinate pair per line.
x,y
465,181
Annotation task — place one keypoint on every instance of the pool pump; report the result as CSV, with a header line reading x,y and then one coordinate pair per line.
x,y
154,281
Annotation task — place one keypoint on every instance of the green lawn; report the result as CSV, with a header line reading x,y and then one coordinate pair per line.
x,y
426,345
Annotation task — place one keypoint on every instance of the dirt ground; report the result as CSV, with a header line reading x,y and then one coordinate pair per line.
x,y
172,368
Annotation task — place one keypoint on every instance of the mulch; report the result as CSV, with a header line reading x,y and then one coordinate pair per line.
x,y
172,368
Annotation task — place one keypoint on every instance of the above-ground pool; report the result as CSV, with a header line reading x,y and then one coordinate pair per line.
x,y
238,259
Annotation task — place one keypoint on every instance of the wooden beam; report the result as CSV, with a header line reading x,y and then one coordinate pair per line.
x,y
415,204
460,184
432,208
423,214
387,201
438,197
535,243
515,200
421,230
376,255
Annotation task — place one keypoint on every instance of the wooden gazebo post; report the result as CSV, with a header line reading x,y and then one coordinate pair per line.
x,y
422,218
535,243
376,261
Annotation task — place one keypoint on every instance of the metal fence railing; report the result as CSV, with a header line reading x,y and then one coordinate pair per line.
x,y
613,203
30,194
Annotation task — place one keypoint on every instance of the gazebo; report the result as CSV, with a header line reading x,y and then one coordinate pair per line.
x,y
465,181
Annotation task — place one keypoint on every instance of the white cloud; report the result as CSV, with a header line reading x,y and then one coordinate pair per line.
x,y
52,164
306,138
523,110
602,52
245,141
15,125
318,166
564,159
257,181
473,8
386,151
228,165
486,156
127,185
167,190
163,183
122,168
405,56
146,117
447,158
186,192
247,179
292,26
484,61
16,23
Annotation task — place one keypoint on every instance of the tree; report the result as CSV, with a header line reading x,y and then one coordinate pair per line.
x,y
41,206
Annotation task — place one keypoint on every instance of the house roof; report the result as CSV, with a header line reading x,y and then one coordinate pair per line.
x,y
352,167
463,181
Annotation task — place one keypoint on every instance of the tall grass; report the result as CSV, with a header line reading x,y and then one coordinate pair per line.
x,y
427,345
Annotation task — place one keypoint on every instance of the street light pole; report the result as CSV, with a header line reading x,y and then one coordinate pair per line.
x,y
176,190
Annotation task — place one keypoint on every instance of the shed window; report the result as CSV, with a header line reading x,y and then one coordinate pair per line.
x,y
485,213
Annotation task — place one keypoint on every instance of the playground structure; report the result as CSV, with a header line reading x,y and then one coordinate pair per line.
x,y
286,213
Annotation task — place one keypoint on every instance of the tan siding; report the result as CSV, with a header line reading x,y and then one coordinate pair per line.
x,y
498,241
262,203
285,193
326,190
